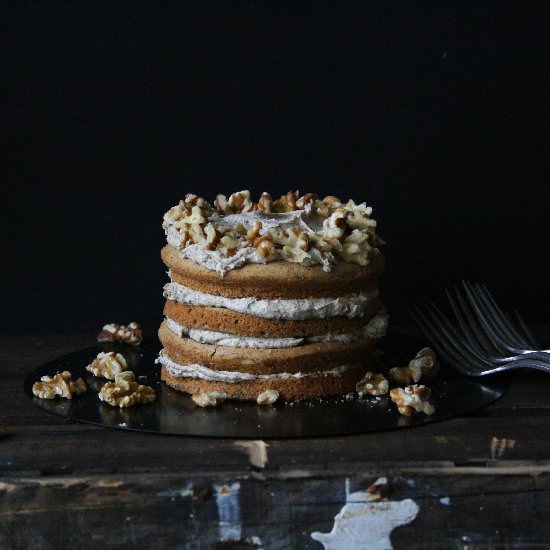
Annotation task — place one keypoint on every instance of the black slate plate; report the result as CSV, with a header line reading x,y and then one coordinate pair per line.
x,y
175,413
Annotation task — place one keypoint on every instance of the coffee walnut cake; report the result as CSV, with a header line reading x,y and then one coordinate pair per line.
x,y
279,296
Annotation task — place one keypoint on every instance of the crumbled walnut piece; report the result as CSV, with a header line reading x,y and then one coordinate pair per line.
x,y
267,397
212,235
222,206
113,332
355,248
286,203
372,383
60,384
264,245
412,398
423,367
229,245
332,201
306,199
265,203
209,399
194,200
126,392
334,227
107,365
240,202
254,231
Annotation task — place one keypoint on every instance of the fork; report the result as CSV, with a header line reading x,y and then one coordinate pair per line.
x,y
470,350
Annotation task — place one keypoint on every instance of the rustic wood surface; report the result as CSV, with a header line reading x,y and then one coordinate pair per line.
x,y
480,481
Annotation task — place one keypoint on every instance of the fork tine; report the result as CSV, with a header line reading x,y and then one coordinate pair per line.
x,y
529,335
508,331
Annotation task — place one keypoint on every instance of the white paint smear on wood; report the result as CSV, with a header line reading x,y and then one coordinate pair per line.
x,y
229,511
362,524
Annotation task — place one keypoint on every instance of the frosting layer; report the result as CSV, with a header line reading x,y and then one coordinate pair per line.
x,y
204,373
298,309
375,328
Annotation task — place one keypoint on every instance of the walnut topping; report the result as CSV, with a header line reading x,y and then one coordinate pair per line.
x,y
267,397
107,365
126,392
327,229
411,399
113,332
372,383
423,367
60,384
209,399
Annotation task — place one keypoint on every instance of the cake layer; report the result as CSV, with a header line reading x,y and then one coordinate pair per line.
x,y
375,328
306,358
290,389
225,320
276,279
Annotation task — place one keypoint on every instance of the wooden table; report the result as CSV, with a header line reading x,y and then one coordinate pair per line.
x,y
480,481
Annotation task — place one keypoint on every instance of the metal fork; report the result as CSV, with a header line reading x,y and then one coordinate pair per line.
x,y
469,349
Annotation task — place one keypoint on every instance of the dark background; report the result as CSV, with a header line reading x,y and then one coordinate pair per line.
x,y
436,114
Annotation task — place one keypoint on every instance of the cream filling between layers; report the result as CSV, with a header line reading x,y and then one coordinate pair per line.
x,y
204,373
375,328
295,309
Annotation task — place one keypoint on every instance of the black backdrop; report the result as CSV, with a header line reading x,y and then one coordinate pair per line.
x,y
436,114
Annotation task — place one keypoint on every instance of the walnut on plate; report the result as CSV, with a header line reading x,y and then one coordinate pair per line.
x,y
209,399
113,332
126,392
107,365
60,384
424,366
412,398
267,397
372,383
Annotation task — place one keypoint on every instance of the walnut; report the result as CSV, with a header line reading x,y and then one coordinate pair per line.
x,y
228,245
423,367
222,206
306,199
212,236
209,399
240,202
60,384
332,201
372,383
286,203
254,231
334,227
126,392
264,245
107,365
193,200
265,203
411,399
113,332
359,215
355,248
267,397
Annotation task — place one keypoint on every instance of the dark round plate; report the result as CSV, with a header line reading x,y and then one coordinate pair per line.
x,y
175,413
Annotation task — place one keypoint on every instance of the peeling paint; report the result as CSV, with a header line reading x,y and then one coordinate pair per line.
x,y
229,511
362,523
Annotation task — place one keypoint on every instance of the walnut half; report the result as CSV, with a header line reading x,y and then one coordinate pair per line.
x,y
423,367
267,397
113,332
60,384
412,398
373,383
107,365
126,392
209,399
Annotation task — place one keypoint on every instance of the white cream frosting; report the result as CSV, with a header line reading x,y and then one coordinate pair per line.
x,y
295,309
375,328
204,373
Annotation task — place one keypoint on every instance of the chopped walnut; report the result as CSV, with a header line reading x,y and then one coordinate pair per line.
x,y
209,399
254,231
113,332
267,397
126,392
240,202
60,384
372,383
286,203
411,399
423,367
265,203
306,199
264,245
107,365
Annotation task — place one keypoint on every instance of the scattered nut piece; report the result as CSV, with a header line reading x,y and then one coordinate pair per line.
x,y
107,365
126,392
372,383
60,384
378,490
412,398
265,203
209,399
267,397
113,332
286,203
423,367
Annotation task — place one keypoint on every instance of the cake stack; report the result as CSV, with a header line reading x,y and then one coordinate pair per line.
x,y
275,295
